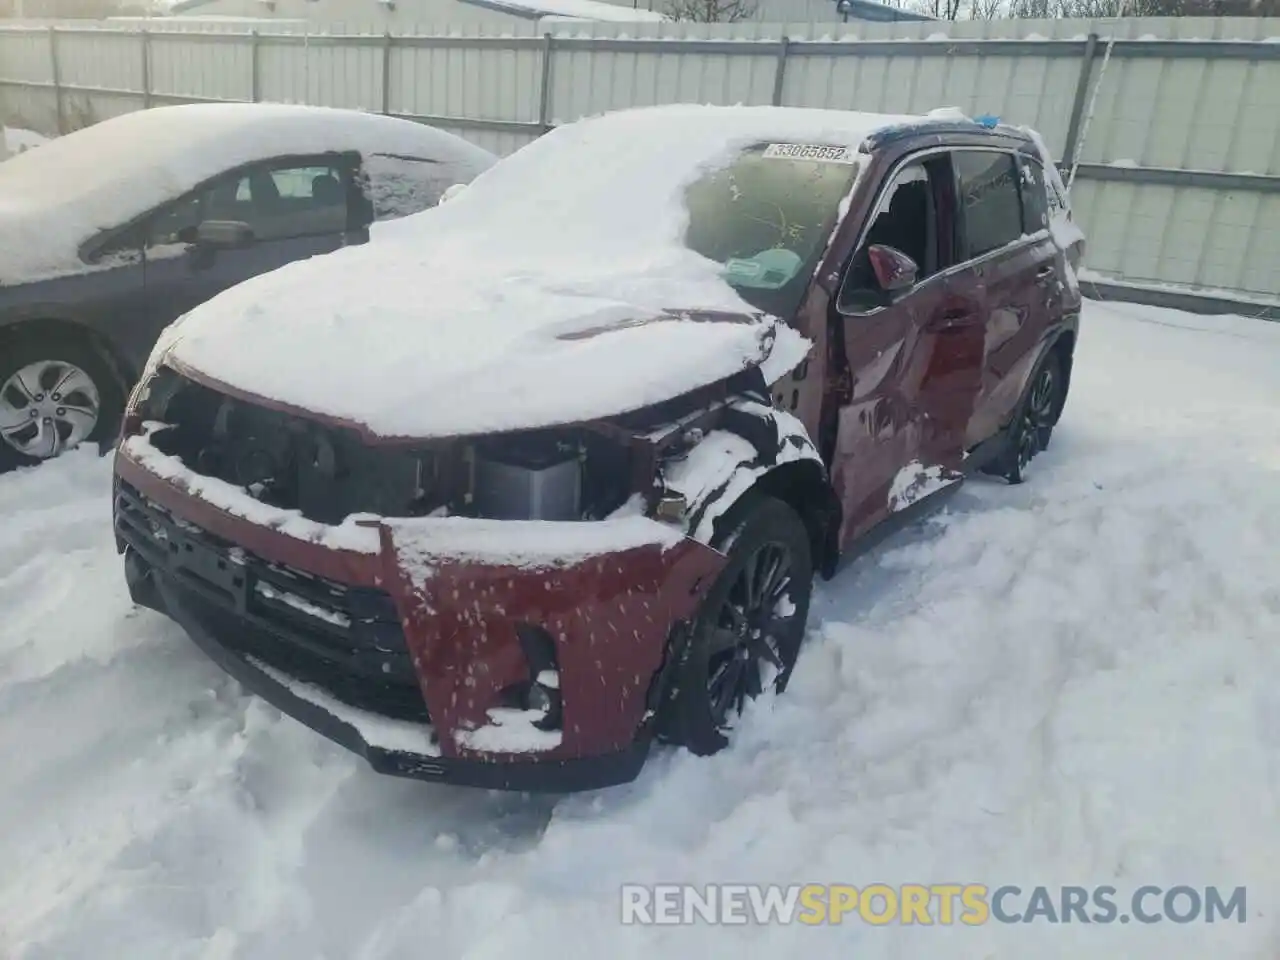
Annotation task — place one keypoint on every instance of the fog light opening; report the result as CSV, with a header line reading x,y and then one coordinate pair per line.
x,y
541,692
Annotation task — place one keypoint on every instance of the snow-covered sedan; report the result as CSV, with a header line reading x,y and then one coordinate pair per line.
x,y
109,233
547,472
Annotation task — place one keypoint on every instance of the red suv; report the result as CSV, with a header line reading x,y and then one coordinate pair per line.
x,y
546,473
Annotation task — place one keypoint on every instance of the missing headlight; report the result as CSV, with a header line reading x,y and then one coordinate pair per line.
x,y
537,483
549,475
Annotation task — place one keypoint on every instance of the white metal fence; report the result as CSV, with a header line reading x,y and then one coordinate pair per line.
x,y
1179,150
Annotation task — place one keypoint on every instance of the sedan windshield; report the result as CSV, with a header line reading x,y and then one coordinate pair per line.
x,y
767,217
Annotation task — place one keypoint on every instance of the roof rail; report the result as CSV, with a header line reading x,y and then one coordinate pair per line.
x,y
941,125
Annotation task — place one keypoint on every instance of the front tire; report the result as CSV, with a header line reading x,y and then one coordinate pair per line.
x,y
747,635
56,392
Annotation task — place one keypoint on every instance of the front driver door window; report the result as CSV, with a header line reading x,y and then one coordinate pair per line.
x,y
284,201
294,209
905,219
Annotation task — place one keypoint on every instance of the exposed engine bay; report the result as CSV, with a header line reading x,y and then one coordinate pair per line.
x,y
329,473
589,471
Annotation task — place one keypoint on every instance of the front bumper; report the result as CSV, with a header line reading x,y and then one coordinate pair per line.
x,y
402,654
337,722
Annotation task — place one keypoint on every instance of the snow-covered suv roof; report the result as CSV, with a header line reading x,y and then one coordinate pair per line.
x,y
55,198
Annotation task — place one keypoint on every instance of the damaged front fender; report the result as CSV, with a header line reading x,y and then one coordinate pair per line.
x,y
752,447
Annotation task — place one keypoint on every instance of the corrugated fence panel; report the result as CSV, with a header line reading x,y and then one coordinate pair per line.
x,y
1262,261
203,69
321,73
587,81
453,81
104,58
25,55
331,74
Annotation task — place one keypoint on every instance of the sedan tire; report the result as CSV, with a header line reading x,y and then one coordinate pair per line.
x,y
56,392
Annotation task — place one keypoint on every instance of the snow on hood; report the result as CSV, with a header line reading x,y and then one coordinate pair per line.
x,y
555,288
54,199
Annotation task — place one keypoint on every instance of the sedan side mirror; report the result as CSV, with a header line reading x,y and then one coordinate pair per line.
x,y
894,270
224,234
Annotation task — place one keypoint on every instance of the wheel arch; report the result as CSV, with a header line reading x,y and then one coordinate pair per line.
x,y
29,328
804,487
775,457
1064,346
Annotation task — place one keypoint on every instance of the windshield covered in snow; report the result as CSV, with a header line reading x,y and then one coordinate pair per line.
x,y
766,218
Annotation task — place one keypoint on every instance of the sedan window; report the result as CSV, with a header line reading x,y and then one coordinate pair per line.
x,y
277,202
402,185
284,201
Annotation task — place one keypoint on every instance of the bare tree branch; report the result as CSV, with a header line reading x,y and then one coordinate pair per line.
x,y
711,11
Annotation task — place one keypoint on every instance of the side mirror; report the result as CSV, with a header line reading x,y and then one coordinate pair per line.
x,y
894,270
224,234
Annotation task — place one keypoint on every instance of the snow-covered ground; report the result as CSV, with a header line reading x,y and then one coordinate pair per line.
x,y
1072,682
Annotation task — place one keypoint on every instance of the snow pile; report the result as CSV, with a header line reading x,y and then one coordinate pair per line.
x,y
914,482
536,296
374,729
54,200
1075,681
524,544
14,140
510,731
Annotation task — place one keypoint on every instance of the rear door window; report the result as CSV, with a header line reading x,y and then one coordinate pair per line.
x,y
1035,198
402,185
989,198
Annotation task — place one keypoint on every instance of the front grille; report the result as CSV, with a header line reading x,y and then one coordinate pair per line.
x,y
346,640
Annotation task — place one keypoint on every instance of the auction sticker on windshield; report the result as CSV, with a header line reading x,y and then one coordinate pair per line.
x,y
808,151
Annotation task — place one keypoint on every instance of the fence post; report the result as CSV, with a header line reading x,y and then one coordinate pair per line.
x,y
146,69
57,80
544,94
255,66
387,43
1077,107
780,72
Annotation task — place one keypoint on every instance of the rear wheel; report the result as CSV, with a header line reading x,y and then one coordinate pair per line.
x,y
748,631
55,393
1033,424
